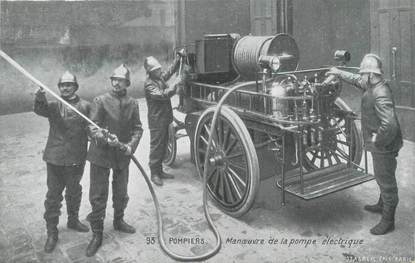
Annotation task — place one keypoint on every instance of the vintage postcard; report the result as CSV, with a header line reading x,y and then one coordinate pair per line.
x,y
207,131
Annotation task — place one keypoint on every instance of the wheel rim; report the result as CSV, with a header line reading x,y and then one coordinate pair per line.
x,y
233,172
170,155
335,148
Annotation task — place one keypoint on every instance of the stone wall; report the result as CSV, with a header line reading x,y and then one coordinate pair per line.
x,y
89,38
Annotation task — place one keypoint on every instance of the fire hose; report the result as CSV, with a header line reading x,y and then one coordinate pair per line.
x,y
160,229
216,113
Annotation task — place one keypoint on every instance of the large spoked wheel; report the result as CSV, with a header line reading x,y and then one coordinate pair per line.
x,y
171,152
335,149
233,169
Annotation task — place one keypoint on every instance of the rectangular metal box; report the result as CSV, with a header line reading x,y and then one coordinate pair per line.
x,y
214,54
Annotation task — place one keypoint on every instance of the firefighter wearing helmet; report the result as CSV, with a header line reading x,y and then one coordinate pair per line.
x,y
381,133
65,156
160,114
110,149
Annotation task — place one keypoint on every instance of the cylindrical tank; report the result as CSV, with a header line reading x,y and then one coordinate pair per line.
x,y
279,104
249,48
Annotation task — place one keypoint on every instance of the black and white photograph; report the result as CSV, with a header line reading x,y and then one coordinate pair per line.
x,y
274,131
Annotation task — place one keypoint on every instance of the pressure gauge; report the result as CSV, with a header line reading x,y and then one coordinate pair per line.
x,y
275,64
271,62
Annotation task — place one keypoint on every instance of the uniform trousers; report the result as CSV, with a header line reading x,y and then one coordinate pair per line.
x,y
384,166
98,192
158,147
58,178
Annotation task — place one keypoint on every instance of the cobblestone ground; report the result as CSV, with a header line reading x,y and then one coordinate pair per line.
x,y
340,215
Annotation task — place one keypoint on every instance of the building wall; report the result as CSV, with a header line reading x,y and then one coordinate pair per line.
x,y
319,26
393,38
92,37
89,38
323,26
198,17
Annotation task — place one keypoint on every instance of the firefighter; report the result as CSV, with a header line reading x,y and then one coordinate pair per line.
x,y
65,155
381,133
119,115
160,114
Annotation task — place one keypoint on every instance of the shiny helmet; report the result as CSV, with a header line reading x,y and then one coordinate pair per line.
x,y
151,63
371,63
68,77
122,72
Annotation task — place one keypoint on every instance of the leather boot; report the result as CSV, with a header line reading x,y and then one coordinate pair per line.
x,y
165,175
72,207
96,241
51,240
122,226
387,222
156,179
376,208
75,224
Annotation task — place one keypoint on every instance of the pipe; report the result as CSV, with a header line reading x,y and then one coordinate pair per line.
x,y
315,70
37,82
163,245
296,153
264,89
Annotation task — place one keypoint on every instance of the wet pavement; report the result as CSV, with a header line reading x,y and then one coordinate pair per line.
x,y
312,230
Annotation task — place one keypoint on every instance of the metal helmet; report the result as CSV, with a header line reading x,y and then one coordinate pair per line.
x,y
371,63
68,77
122,72
151,63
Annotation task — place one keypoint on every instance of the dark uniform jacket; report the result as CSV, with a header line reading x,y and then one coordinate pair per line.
x,y
119,114
378,115
157,92
68,137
